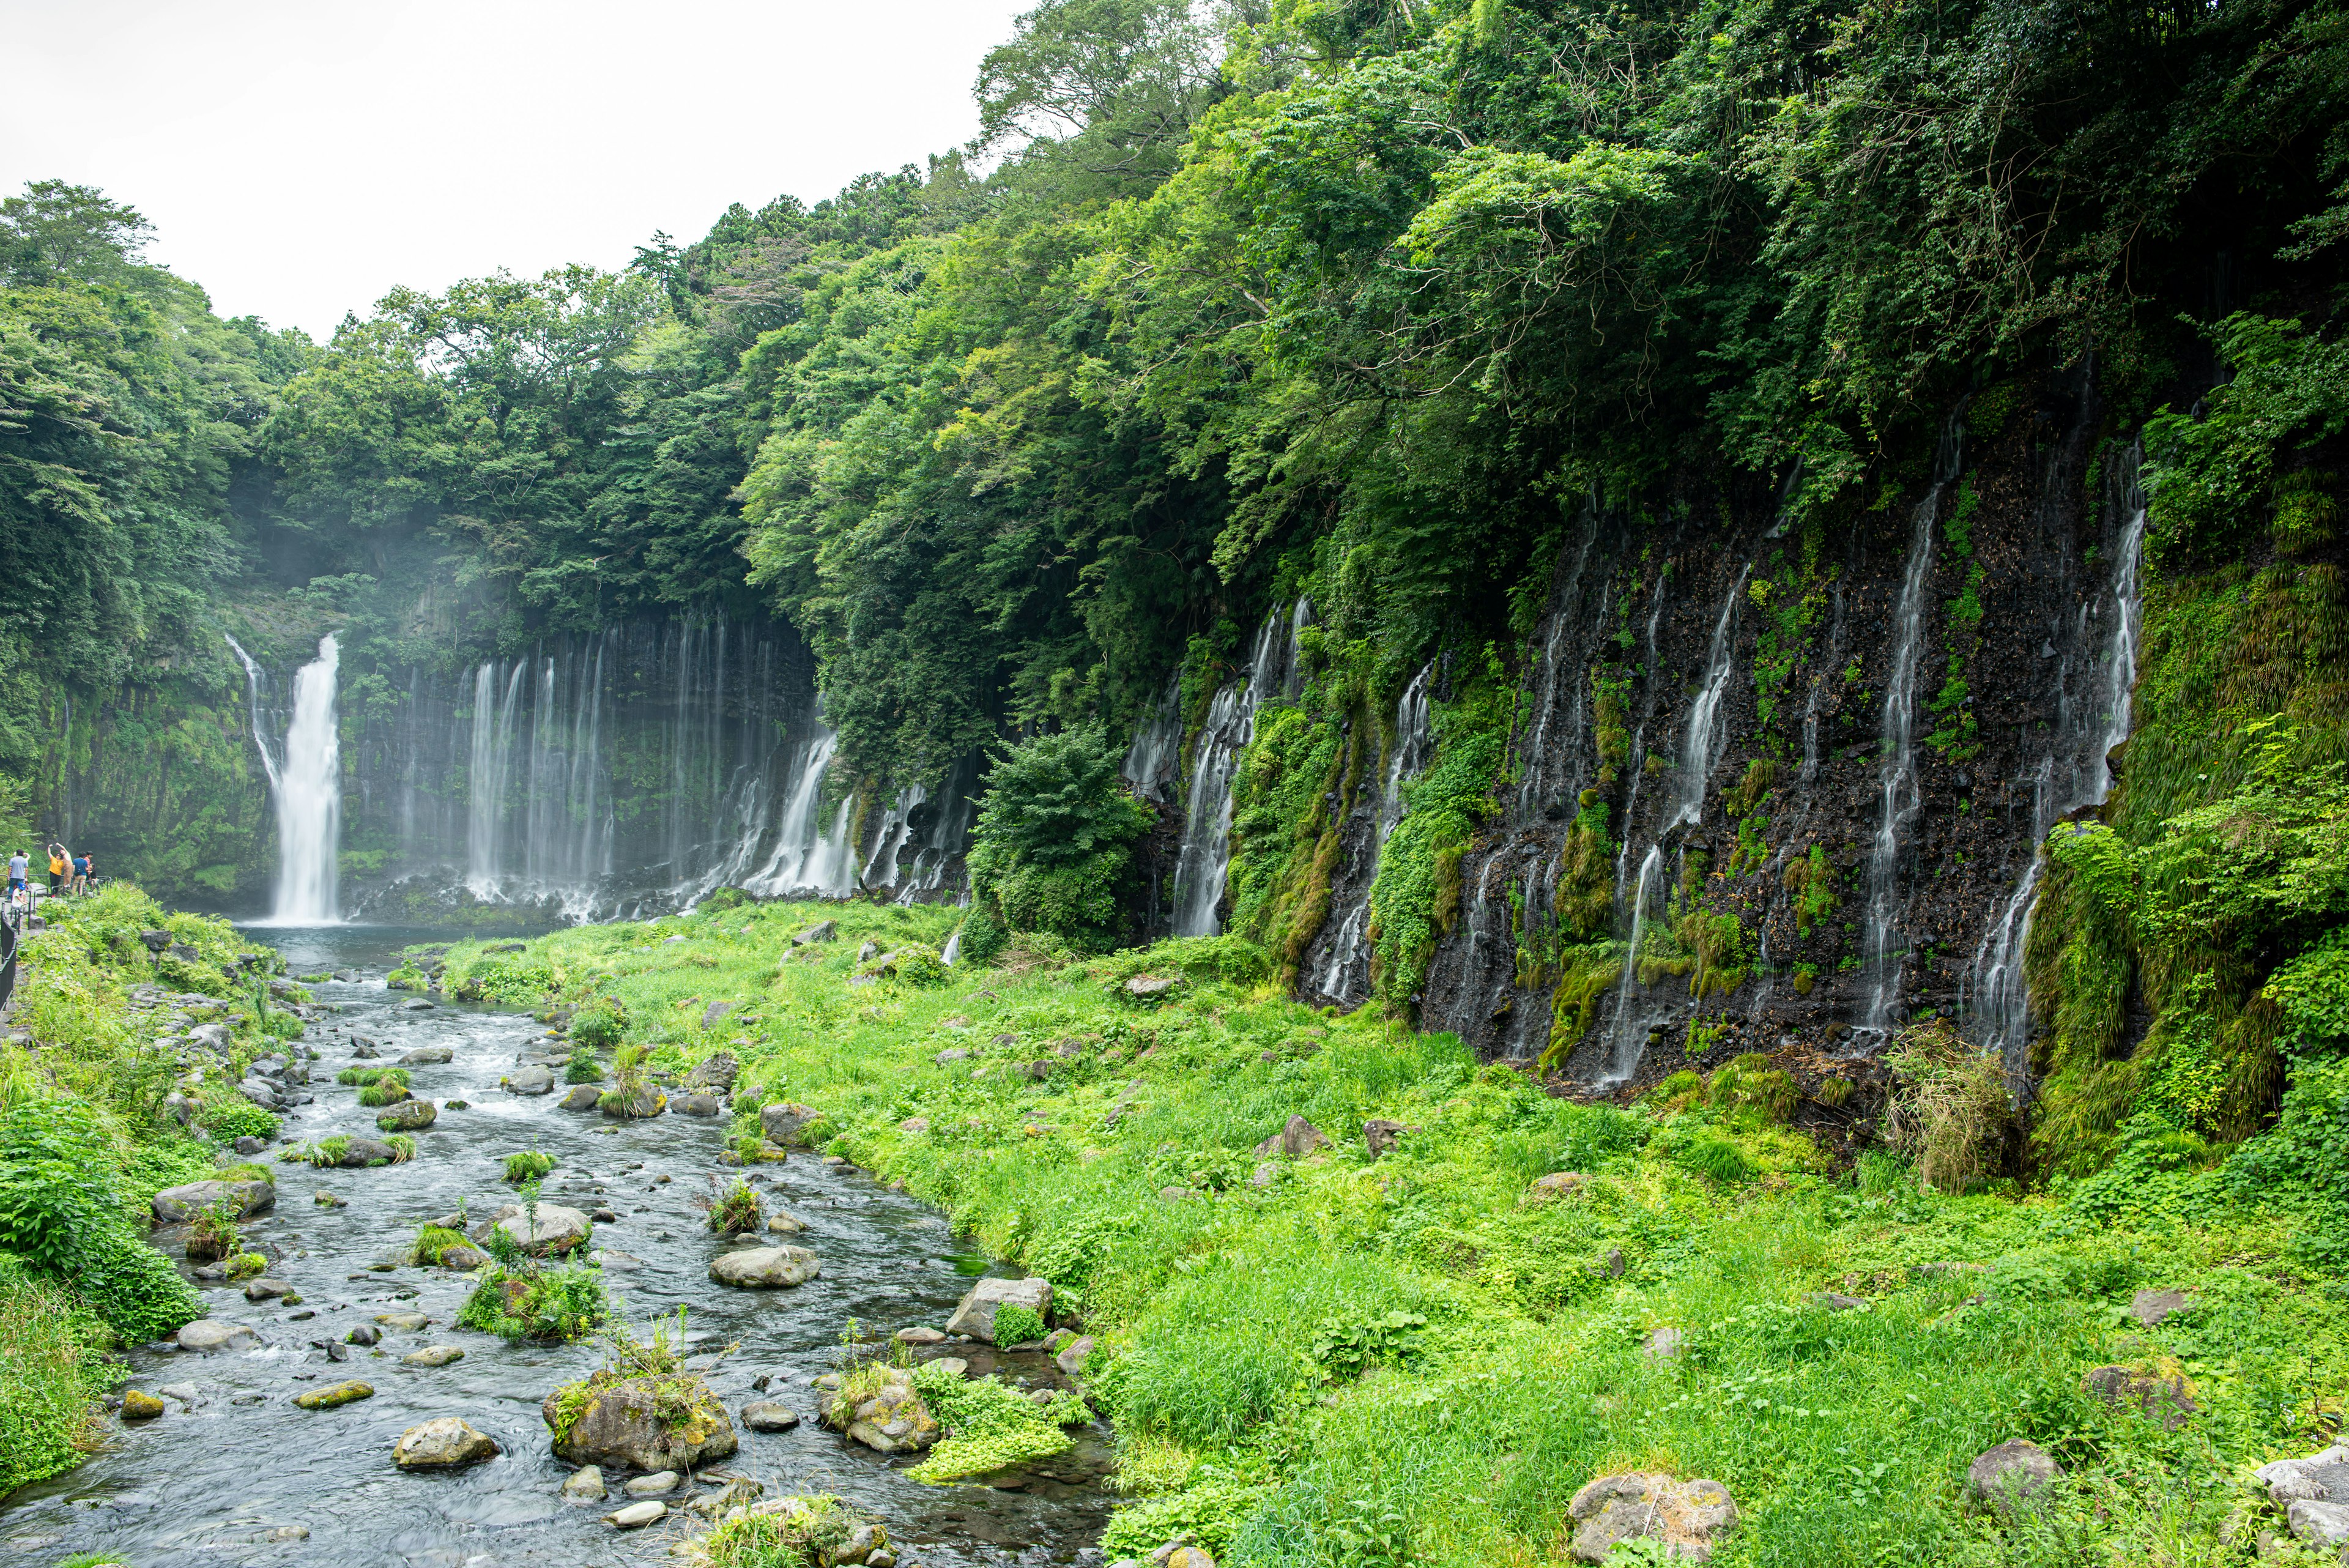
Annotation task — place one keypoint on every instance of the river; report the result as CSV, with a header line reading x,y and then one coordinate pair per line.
x,y
246,1476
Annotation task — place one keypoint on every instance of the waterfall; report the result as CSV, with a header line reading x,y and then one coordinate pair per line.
x,y
1896,786
1346,976
307,790
1630,1035
1996,1001
807,859
1203,863
1700,745
491,760
1150,763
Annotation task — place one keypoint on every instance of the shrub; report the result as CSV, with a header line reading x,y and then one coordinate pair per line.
x,y
735,1211
61,1214
598,1025
1052,850
48,1376
1212,1514
562,1303
1950,1102
804,1529
528,1165
233,1117
1015,1325
582,1067
1710,1154
988,1426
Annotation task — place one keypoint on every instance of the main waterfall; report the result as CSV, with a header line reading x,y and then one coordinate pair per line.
x,y
306,789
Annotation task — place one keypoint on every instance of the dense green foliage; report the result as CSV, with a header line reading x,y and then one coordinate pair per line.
x,y
1053,847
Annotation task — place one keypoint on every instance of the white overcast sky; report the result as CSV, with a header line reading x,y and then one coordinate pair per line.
x,y
299,159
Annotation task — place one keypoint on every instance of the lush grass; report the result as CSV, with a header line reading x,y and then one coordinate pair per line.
x,y
85,1140
1421,1337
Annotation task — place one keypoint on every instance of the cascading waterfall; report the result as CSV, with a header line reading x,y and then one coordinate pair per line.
x,y
307,790
1701,743
1203,864
1151,762
1897,792
491,760
1996,1001
804,860
1628,1037
1346,975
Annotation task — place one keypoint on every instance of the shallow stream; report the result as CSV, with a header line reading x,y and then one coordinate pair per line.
x,y
246,1476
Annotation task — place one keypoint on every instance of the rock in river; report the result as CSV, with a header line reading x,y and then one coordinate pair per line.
x,y
976,1315
759,1268
637,1515
639,1424
586,1485
139,1406
341,1394
434,1356
529,1081
559,1229
177,1205
762,1415
427,1056
783,1123
210,1334
582,1097
697,1105
408,1115
439,1444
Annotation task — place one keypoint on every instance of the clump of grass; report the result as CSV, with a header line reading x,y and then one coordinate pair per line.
x,y
433,1241
1950,1102
583,1068
329,1151
735,1209
213,1234
802,1530
1015,1324
528,1165
403,1147
520,1300
383,1091
366,1077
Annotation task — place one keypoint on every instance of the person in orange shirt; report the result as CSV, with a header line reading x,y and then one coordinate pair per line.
x,y
60,870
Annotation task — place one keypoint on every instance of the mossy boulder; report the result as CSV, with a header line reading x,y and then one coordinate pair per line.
x,y
669,1421
408,1116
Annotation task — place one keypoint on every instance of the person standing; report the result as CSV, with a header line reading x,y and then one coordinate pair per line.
x,y
20,867
60,870
82,872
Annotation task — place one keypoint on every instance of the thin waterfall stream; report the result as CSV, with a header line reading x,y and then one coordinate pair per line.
x,y
305,789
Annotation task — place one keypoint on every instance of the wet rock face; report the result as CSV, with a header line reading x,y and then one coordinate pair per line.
x,y
443,1444
642,1424
1720,686
976,1315
177,1205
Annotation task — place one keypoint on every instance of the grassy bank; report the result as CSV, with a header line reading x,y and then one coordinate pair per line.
x,y
97,1115
1420,1358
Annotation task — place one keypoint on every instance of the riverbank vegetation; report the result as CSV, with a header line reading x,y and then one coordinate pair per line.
x,y
97,1115
1433,1346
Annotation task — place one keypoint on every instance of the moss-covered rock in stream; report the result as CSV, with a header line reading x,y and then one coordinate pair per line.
x,y
664,1420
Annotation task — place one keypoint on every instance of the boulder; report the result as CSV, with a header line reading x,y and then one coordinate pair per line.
x,y
2168,1400
463,1260
640,1105
783,1123
408,1115
976,1316
1556,1184
652,1485
528,1081
1381,1136
139,1406
1665,1342
717,1073
582,1097
769,1415
559,1229
1298,1138
177,1205
2313,1493
920,1336
822,932
1686,1517
783,1222
697,1105
1185,1557
1152,985
416,1004
363,1153
715,1013
427,1056
893,1421
637,1515
585,1484
914,1126
2010,1474
2151,1308
434,1356
621,1425
1071,1357
952,1053
341,1394
441,1444
267,1290
404,1322
765,1268
208,1334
